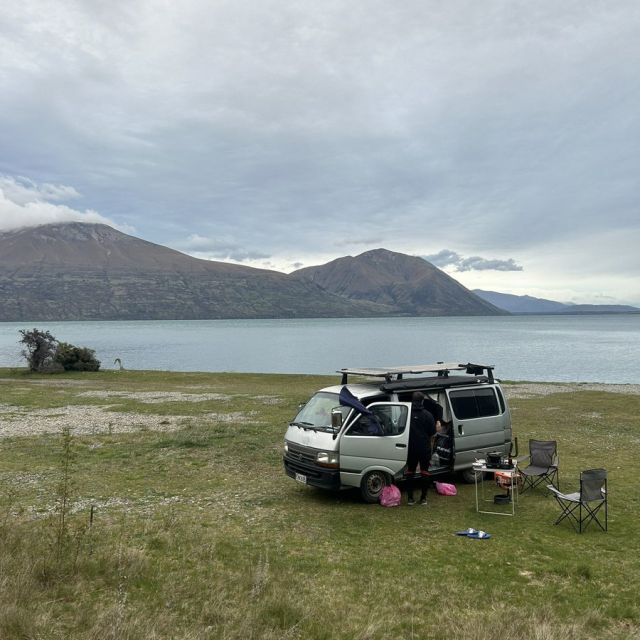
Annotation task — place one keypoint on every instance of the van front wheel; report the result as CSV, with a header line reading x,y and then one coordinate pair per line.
x,y
372,485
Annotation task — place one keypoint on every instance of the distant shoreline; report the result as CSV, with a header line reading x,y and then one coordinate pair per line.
x,y
380,316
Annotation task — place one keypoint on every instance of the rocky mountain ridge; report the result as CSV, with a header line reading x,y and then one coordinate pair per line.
x,y
409,284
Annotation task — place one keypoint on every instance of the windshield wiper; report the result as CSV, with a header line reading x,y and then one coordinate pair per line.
x,y
304,425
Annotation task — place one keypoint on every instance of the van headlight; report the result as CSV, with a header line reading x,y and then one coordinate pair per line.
x,y
329,459
286,447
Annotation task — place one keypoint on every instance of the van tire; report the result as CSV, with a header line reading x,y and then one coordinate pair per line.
x,y
468,476
372,485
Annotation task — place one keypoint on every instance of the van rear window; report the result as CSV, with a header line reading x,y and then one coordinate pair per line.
x,y
474,403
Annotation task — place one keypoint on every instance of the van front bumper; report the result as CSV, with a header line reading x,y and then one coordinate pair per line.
x,y
314,475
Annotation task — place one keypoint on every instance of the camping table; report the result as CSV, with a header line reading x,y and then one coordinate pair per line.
x,y
479,470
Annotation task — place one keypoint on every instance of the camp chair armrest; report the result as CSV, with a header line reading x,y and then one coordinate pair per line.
x,y
572,497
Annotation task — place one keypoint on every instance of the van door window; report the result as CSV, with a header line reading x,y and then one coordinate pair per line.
x,y
487,403
464,404
474,403
386,420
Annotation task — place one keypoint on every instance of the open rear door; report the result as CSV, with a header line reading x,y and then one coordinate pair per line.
x,y
443,450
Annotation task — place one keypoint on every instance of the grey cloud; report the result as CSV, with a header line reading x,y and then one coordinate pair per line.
x,y
219,249
448,258
444,258
355,241
22,190
339,130
475,263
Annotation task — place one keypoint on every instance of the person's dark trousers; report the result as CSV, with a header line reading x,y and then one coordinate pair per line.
x,y
418,455
423,482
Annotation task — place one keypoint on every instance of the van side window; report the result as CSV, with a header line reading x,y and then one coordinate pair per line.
x,y
389,420
393,418
464,405
501,400
474,403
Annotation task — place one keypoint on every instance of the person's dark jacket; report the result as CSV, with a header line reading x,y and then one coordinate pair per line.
x,y
423,426
433,408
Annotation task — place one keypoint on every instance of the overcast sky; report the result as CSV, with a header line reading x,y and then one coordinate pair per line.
x,y
498,139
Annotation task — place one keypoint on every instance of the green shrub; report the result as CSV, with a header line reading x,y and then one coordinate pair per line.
x,y
73,358
39,349
45,354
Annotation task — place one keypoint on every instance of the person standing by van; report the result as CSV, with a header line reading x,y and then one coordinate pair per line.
x,y
435,410
422,430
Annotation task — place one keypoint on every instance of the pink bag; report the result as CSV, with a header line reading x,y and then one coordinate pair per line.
x,y
390,496
446,489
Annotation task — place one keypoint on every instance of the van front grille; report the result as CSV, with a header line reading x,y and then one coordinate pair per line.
x,y
298,453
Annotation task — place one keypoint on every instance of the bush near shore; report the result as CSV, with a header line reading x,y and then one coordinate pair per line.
x,y
147,505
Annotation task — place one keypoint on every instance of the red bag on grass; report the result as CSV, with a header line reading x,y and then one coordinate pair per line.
x,y
446,489
390,496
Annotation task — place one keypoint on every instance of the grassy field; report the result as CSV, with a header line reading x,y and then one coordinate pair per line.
x,y
165,513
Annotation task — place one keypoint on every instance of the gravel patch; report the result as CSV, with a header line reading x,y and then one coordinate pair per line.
x,y
234,416
54,382
82,420
156,397
270,400
92,420
22,479
535,389
223,503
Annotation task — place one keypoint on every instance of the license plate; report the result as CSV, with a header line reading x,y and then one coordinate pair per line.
x,y
301,478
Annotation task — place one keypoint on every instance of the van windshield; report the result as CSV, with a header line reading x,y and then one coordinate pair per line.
x,y
316,414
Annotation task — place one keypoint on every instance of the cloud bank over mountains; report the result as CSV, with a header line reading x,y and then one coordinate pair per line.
x,y
23,203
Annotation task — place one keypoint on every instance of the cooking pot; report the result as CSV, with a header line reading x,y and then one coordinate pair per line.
x,y
494,458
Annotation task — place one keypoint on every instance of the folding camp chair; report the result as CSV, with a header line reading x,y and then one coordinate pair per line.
x,y
543,465
584,506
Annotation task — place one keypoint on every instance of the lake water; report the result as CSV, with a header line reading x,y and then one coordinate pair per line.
x,y
540,348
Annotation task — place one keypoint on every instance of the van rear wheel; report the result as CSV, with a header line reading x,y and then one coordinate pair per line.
x,y
469,476
372,485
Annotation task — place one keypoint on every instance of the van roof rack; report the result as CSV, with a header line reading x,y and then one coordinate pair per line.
x,y
441,369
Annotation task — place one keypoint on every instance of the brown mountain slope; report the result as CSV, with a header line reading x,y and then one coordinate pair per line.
x,y
78,245
79,271
410,284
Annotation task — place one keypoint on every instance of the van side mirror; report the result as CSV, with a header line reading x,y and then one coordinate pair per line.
x,y
336,418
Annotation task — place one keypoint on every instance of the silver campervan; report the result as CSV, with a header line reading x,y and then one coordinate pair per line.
x,y
332,445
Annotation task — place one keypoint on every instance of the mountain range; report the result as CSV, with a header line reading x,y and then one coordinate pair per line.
x,y
529,305
81,271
